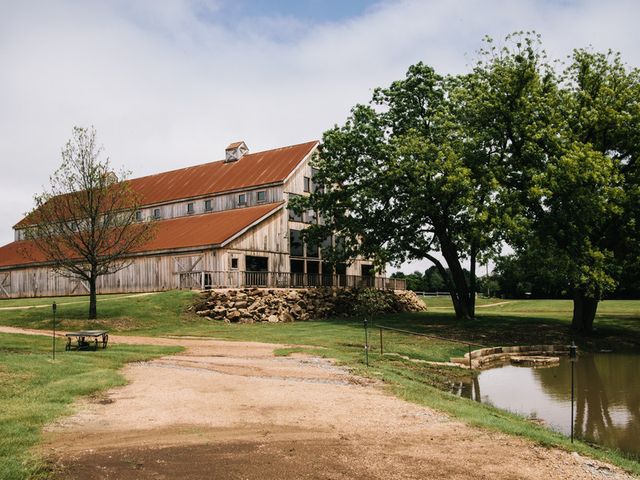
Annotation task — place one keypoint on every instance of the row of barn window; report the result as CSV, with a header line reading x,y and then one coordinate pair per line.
x,y
261,197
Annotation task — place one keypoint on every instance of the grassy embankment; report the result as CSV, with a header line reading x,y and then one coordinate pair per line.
x,y
34,391
514,322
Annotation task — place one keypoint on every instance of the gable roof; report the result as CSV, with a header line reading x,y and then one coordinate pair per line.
x,y
254,169
196,231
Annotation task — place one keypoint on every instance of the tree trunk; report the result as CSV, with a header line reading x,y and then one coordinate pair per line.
x,y
458,306
93,307
450,254
584,313
472,282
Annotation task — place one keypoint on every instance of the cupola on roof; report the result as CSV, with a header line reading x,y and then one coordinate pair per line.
x,y
235,151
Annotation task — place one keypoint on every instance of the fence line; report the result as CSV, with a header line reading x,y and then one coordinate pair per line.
x,y
433,294
239,279
409,332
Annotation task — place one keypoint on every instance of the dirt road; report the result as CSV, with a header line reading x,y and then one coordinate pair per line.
x,y
232,410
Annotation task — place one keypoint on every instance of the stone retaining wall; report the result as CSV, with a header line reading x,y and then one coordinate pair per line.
x,y
288,305
485,357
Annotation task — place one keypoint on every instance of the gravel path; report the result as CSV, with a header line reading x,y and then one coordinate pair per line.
x,y
234,410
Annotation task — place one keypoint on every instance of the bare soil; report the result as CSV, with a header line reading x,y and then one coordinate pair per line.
x,y
233,410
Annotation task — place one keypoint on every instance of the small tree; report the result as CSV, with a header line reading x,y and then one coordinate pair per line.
x,y
85,223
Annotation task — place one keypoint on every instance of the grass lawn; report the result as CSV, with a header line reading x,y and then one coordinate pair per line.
x,y
515,322
35,390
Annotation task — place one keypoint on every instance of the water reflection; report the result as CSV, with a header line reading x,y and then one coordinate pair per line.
x,y
607,408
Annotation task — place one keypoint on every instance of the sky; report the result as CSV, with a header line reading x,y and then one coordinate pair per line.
x,y
170,83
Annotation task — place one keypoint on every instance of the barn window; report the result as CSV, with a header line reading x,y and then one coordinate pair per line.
x,y
293,216
307,184
326,244
156,213
234,263
262,196
207,206
316,188
242,199
190,209
138,216
295,243
311,216
312,250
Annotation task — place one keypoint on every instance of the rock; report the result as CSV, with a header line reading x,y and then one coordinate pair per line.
x,y
296,311
286,305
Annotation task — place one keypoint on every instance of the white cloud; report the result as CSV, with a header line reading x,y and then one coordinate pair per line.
x,y
169,84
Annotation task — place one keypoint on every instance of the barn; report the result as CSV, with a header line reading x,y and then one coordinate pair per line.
x,y
220,224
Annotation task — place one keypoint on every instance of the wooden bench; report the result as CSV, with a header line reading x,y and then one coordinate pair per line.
x,y
87,339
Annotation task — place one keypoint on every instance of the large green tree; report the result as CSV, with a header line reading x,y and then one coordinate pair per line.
x,y
568,144
400,180
517,150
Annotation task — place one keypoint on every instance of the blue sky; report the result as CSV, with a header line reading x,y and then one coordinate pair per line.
x,y
309,10
170,83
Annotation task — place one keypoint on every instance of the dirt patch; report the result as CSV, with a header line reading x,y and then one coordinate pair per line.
x,y
233,410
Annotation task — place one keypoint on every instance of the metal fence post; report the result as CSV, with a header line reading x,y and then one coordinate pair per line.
x,y
381,353
53,340
573,357
366,343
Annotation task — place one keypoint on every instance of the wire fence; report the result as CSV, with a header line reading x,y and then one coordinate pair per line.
x,y
402,332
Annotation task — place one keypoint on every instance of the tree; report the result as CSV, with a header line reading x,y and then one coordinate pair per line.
x,y
568,146
85,223
400,180
602,105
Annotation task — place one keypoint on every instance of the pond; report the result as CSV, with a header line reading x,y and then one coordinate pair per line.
x,y
607,397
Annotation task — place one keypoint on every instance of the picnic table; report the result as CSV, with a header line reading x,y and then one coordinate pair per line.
x,y
86,339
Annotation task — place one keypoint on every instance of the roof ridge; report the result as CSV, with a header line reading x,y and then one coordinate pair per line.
x,y
222,160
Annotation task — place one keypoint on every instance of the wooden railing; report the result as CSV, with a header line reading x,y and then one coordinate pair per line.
x,y
237,279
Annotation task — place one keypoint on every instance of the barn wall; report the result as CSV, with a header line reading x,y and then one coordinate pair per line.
x,y
218,202
144,274
269,239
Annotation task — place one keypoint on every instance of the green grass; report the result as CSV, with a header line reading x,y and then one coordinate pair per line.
x,y
148,314
35,391
47,301
522,322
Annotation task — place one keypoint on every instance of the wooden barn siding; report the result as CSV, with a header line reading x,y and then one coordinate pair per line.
x,y
274,231
218,203
144,274
295,183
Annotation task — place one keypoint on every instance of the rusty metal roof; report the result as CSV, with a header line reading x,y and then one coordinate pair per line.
x,y
205,230
253,169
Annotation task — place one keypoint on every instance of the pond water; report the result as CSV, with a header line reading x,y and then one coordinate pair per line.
x,y
607,396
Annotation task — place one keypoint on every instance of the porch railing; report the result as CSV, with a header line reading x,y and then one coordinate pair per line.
x,y
238,279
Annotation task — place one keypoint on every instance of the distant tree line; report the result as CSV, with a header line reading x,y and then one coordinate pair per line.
x,y
429,281
520,276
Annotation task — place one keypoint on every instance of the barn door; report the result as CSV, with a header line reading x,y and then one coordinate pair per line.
x,y
186,268
5,285
79,286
